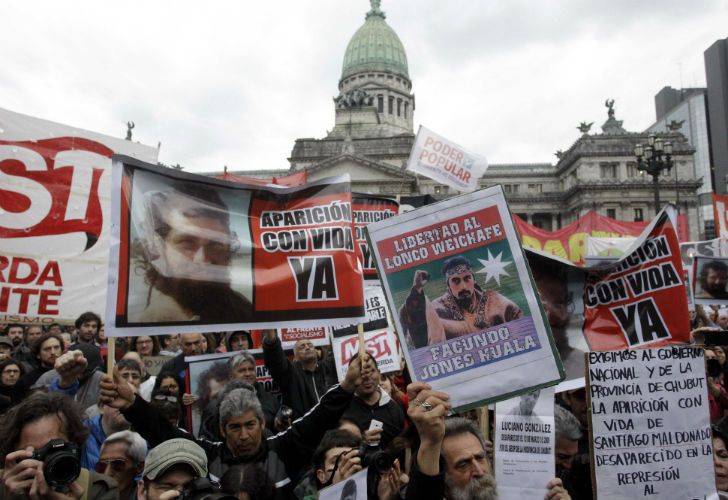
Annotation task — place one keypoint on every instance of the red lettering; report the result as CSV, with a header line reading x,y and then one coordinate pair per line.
x,y
25,294
4,263
51,273
4,298
15,267
48,299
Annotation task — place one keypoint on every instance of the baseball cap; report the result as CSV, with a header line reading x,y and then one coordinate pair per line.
x,y
6,341
173,452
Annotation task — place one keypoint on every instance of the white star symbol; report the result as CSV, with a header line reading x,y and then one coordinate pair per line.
x,y
494,267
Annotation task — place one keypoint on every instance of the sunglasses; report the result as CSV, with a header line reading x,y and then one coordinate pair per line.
x,y
117,465
164,397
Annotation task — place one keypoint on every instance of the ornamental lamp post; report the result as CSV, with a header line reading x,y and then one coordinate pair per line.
x,y
653,158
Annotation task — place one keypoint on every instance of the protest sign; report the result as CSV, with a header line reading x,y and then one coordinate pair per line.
x,y
478,315
720,212
153,364
208,374
711,278
368,209
352,488
524,445
650,424
319,336
196,254
380,341
54,218
642,296
444,161
716,247
560,286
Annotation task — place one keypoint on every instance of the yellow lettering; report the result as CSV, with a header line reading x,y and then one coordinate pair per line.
x,y
577,247
530,242
556,248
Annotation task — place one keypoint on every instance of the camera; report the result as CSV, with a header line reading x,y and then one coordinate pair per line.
x,y
375,458
202,488
713,368
61,463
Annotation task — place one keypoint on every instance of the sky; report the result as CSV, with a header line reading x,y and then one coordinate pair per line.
x,y
226,83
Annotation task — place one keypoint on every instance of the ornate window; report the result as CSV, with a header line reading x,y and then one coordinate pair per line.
x,y
380,103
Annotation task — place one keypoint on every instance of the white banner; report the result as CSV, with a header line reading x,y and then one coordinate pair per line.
x,y
607,247
54,217
524,445
650,424
444,161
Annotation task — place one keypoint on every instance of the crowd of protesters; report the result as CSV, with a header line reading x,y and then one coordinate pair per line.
x,y
131,433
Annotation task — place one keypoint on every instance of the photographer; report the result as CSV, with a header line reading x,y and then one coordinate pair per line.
x,y
28,428
717,396
242,425
170,468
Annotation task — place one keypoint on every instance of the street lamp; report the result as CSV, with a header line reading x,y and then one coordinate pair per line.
x,y
653,158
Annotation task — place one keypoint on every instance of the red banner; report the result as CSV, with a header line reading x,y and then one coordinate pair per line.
x,y
292,180
642,300
569,242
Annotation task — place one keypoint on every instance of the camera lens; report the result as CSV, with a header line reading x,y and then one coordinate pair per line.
x,y
61,469
382,462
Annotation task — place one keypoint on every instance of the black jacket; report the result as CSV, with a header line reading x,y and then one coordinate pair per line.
x,y
281,456
386,410
424,487
301,389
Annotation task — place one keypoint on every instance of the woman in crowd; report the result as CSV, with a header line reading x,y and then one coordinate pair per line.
x,y
10,373
720,462
145,346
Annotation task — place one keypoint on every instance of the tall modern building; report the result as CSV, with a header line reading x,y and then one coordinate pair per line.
x,y
716,72
686,111
373,134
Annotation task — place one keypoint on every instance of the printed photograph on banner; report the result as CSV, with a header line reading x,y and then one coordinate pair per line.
x,y
196,254
380,340
524,444
210,374
650,424
457,282
640,300
190,252
709,248
560,288
55,217
367,209
711,279
352,488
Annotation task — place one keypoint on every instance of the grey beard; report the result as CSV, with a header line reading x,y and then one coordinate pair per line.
x,y
483,488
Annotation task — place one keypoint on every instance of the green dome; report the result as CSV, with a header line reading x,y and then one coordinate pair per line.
x,y
375,47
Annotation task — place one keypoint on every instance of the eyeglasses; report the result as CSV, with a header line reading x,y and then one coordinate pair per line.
x,y
117,465
165,397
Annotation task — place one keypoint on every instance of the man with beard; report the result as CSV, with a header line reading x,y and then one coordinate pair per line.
x,y
713,278
451,461
566,447
187,256
465,308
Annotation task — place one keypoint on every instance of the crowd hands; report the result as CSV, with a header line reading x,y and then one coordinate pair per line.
x,y
124,433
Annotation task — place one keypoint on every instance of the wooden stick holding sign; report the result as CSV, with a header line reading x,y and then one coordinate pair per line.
x,y
111,355
362,347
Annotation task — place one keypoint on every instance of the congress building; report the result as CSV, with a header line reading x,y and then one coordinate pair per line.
x,y
374,131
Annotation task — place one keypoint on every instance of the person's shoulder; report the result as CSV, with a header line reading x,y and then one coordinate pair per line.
x,y
102,486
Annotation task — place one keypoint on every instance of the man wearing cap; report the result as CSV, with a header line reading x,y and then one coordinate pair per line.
x,y
242,426
465,308
6,348
171,466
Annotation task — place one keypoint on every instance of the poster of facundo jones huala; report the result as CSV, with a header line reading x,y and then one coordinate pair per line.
x,y
463,301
